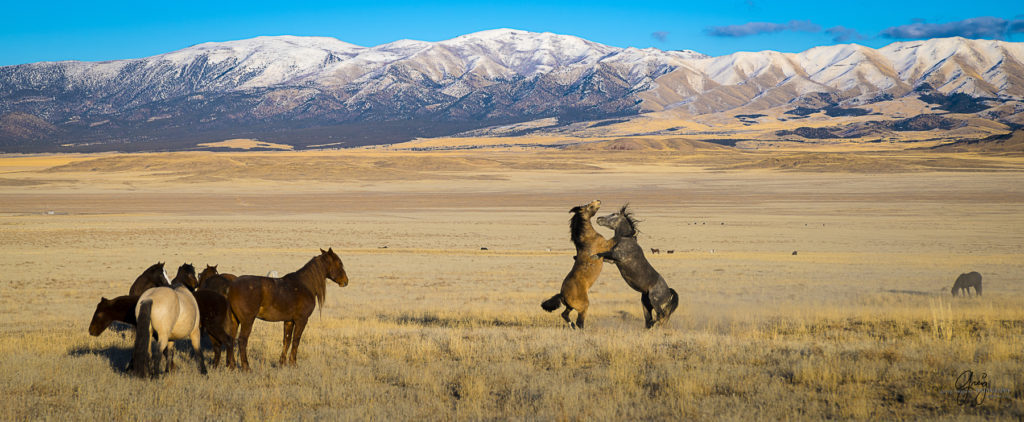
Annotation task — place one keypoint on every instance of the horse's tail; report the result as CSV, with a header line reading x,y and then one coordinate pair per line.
x,y
672,303
140,357
551,304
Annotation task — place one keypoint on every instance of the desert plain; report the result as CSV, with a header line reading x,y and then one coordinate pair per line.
x,y
812,285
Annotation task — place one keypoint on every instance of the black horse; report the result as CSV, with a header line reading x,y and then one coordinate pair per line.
x,y
638,273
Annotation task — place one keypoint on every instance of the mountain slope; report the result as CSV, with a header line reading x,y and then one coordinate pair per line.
x,y
316,90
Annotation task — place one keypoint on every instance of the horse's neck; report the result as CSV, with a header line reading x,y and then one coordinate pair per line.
x,y
625,231
310,275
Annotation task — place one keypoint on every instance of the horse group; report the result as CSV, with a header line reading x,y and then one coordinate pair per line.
x,y
223,305
592,250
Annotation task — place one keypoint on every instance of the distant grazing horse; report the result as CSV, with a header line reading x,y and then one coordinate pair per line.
x,y
638,273
585,267
210,279
655,250
290,299
121,308
964,283
154,276
172,314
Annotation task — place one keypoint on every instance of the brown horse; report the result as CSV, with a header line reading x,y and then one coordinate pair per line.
x,y
290,299
154,276
121,308
585,267
210,279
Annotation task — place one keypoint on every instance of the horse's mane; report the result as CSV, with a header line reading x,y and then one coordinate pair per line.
x,y
577,226
633,222
318,285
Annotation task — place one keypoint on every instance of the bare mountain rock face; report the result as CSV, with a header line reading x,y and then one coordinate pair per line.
x,y
307,91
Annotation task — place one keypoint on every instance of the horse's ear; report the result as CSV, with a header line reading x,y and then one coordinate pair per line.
x,y
330,250
322,250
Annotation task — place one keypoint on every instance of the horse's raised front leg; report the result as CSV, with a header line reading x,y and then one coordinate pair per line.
x,y
289,327
300,326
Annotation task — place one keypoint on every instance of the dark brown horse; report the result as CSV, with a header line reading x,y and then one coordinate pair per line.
x,y
636,270
121,308
964,283
214,312
290,299
210,279
585,268
154,276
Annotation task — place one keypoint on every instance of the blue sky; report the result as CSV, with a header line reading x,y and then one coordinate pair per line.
x,y
58,30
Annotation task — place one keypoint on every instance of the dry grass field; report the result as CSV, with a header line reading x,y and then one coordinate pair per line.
x,y
858,324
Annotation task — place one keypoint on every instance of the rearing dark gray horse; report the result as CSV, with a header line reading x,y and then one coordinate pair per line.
x,y
638,273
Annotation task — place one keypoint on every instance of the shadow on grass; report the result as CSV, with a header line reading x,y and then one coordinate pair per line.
x,y
117,356
432,320
911,292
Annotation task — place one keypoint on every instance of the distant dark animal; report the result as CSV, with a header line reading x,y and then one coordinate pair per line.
x,y
483,249
172,314
121,308
154,276
585,269
290,299
964,283
794,253
671,251
653,250
210,279
638,273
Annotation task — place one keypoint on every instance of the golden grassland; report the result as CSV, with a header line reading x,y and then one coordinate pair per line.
x,y
859,324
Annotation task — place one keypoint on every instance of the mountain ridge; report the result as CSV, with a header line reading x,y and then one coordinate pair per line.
x,y
323,90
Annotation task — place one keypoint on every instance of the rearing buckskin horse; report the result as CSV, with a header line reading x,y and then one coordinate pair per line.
x,y
585,267
290,299
638,273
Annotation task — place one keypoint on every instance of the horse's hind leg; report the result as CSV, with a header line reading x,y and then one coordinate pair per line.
x,y
289,327
645,300
581,315
300,326
243,343
232,329
565,316
197,350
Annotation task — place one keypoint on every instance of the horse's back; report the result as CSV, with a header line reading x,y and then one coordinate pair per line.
x,y
173,311
270,299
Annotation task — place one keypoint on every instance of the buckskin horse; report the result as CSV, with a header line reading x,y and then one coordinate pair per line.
x,y
172,314
638,273
585,267
289,299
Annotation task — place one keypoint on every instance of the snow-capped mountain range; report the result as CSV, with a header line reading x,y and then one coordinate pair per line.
x,y
315,89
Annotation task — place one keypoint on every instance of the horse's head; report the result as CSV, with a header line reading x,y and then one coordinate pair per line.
x,y
187,276
587,211
621,221
101,318
207,273
335,268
